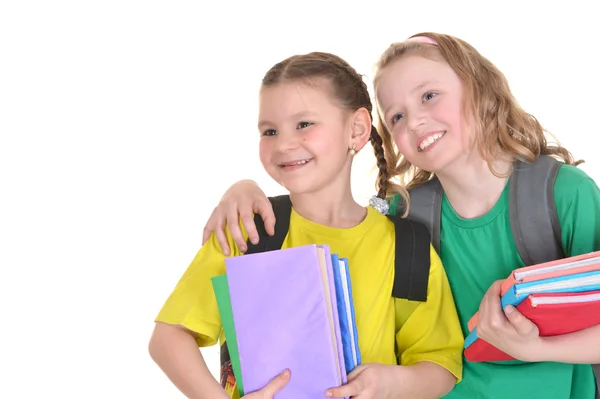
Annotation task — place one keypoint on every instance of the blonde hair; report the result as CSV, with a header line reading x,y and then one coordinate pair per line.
x,y
503,127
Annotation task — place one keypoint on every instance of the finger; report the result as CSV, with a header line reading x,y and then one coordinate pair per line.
x,y
356,372
491,316
222,238
208,227
276,384
233,224
351,389
265,209
248,222
522,324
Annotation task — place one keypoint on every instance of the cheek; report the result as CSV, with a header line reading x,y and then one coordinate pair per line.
x,y
322,141
264,151
402,141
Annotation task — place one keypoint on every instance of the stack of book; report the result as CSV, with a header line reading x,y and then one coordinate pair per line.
x,y
289,309
560,297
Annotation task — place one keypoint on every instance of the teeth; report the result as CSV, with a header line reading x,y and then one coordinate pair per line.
x,y
302,162
430,140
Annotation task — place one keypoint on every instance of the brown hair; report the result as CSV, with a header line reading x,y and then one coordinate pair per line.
x,y
503,127
347,87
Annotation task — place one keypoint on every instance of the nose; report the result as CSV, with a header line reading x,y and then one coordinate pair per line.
x,y
416,120
287,141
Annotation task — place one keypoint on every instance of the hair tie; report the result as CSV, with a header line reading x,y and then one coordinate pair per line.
x,y
379,204
422,39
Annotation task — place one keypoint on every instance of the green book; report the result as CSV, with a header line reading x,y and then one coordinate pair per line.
x,y
221,288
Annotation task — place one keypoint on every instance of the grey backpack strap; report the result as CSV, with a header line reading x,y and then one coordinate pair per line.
x,y
426,208
596,368
533,217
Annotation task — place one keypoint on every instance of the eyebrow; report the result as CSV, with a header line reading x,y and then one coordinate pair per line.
x,y
422,85
413,90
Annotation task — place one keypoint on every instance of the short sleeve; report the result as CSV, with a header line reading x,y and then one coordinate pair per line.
x,y
577,200
192,303
430,331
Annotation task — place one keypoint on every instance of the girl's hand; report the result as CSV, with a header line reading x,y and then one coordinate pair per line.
x,y
509,331
269,391
240,201
371,381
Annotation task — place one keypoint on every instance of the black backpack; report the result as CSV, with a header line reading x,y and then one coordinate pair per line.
x,y
412,259
532,211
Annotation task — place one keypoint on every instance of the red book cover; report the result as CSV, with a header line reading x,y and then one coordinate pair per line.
x,y
554,314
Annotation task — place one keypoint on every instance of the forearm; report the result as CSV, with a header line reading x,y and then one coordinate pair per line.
x,y
425,380
176,353
581,347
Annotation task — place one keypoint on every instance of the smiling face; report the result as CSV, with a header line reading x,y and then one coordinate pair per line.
x,y
305,136
421,101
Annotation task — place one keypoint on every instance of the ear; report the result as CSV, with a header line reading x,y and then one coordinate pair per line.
x,y
361,125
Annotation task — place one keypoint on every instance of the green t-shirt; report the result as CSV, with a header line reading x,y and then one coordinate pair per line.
x,y
477,252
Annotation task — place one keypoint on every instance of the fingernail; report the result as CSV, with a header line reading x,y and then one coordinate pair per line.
x,y
243,248
286,373
254,241
329,394
509,309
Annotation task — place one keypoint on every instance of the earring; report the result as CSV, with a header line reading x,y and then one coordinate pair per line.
x,y
353,150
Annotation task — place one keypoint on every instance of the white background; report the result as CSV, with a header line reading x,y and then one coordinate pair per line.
x,y
122,123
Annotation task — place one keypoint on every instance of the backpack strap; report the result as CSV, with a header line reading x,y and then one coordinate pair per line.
x,y
412,259
596,368
426,208
533,217
282,207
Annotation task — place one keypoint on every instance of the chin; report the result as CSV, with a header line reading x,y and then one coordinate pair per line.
x,y
296,189
435,164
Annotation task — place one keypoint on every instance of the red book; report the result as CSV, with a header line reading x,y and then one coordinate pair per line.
x,y
560,267
554,314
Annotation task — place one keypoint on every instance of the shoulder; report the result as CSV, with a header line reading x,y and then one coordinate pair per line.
x,y
570,176
574,184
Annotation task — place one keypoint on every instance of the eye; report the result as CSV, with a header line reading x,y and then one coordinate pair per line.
x,y
303,125
396,118
269,132
428,96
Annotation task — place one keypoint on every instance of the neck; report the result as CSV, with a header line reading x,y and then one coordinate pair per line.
x,y
471,187
329,207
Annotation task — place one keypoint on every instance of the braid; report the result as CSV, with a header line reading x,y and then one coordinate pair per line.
x,y
382,176
376,141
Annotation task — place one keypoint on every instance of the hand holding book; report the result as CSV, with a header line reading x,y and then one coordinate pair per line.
x,y
507,330
534,302
269,391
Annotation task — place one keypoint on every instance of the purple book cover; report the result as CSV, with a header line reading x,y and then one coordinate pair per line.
x,y
282,321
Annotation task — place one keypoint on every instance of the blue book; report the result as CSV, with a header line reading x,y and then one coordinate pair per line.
x,y
345,306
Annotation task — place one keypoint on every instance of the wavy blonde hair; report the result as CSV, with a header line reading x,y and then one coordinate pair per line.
x,y
503,127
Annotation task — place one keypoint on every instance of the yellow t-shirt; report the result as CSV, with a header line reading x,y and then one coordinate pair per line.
x,y
390,331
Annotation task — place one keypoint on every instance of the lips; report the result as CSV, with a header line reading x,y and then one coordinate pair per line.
x,y
290,164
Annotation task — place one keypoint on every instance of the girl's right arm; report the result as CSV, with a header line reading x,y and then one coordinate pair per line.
x,y
240,202
175,351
